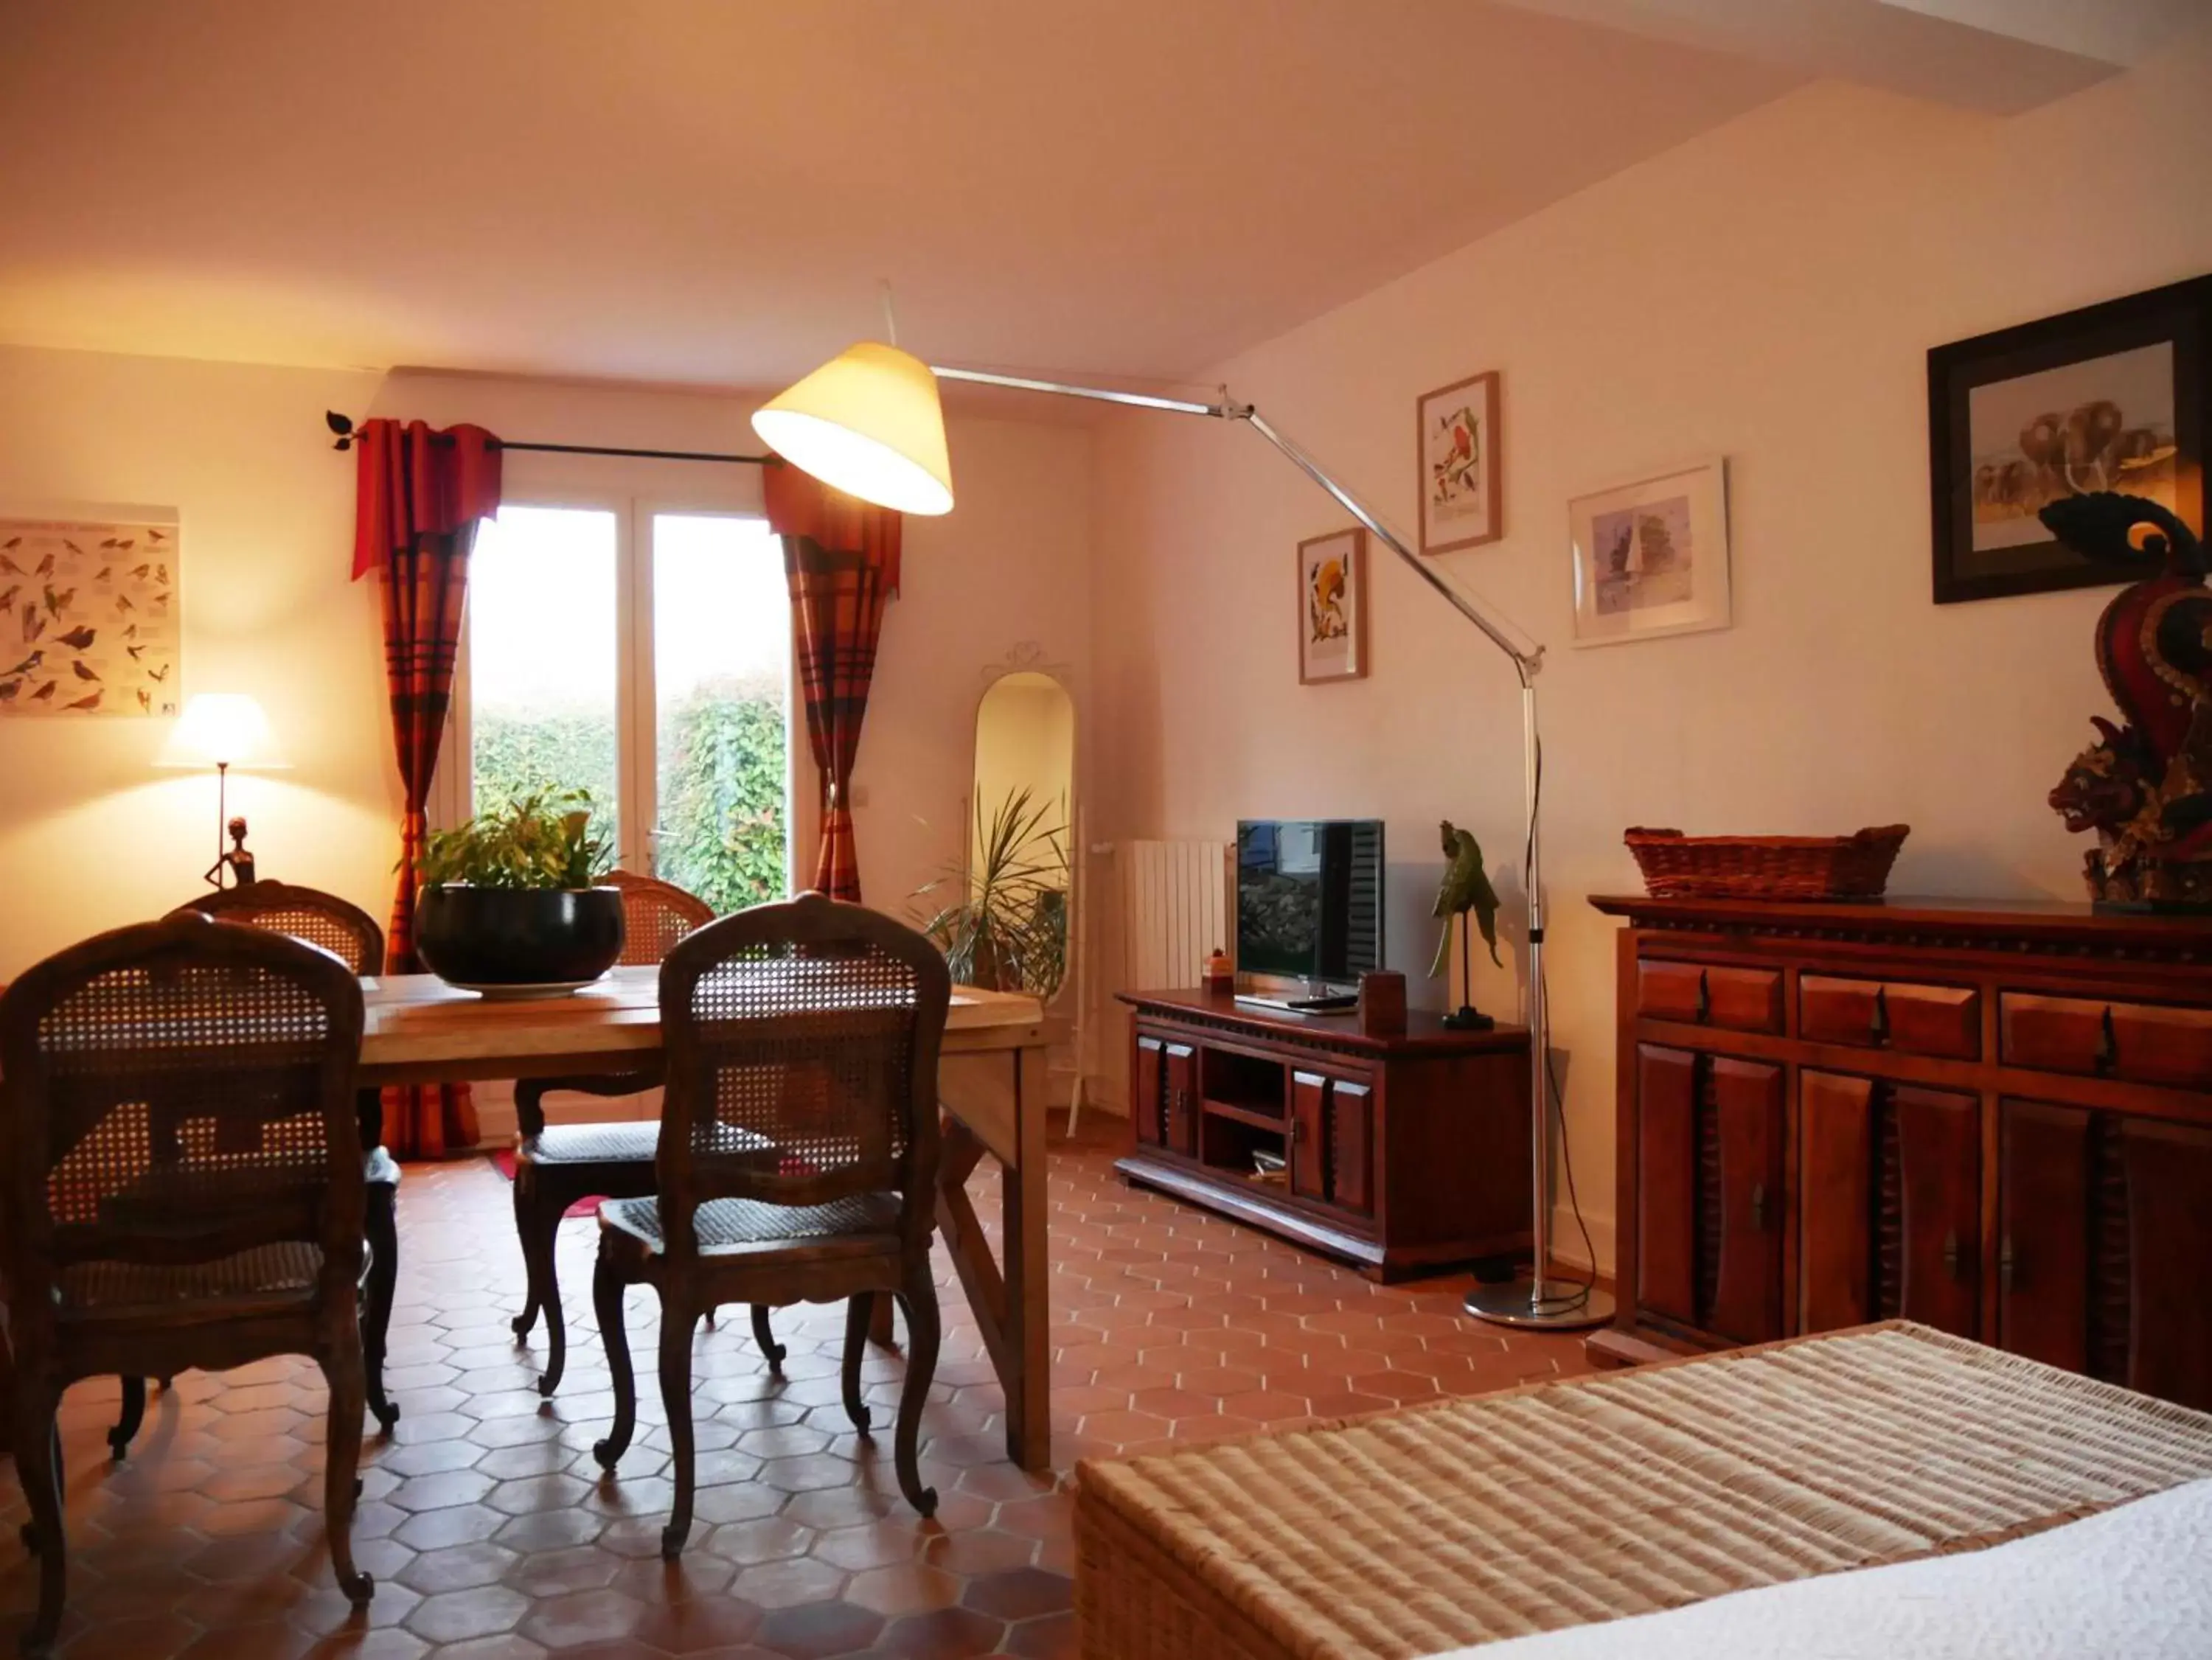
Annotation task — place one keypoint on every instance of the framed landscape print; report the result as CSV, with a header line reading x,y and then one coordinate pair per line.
x,y
88,616
1652,557
2110,397
1332,608
1459,451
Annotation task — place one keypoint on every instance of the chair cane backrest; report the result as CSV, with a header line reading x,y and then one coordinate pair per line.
x,y
816,1025
340,927
175,1092
656,914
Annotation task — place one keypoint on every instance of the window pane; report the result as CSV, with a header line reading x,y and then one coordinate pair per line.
x,y
721,650
541,673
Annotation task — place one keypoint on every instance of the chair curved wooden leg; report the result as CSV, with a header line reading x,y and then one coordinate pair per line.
x,y
380,1227
346,1374
39,1466
764,1336
545,1241
127,1420
533,1294
918,1300
676,1324
607,1301
858,1311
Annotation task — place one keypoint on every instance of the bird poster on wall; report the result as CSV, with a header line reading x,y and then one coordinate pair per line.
x,y
1333,607
1460,507
89,617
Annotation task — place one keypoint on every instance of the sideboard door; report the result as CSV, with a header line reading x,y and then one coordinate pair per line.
x,y
1181,1070
1667,1182
1939,1146
1148,1092
2043,1232
1351,1140
1836,1200
1309,1134
1746,1294
2169,1174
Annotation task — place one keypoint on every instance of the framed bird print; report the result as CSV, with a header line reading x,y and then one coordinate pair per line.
x,y
1332,608
89,619
1460,507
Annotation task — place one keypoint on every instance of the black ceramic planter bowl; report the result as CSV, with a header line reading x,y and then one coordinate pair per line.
x,y
517,939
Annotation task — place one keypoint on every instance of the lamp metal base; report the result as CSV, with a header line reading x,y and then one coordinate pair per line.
x,y
1565,1306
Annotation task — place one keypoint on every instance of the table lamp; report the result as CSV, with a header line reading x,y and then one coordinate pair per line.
x,y
870,422
227,730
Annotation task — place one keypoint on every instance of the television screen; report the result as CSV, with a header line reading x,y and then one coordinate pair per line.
x,y
1309,899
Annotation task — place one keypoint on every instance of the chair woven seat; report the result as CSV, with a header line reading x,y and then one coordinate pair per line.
x,y
729,1227
590,1143
282,1272
620,1143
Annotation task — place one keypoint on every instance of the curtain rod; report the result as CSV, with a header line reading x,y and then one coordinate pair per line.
x,y
343,426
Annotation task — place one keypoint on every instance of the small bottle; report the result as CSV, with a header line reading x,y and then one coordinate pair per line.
x,y
1220,974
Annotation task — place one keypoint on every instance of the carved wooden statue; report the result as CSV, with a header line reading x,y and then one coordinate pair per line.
x,y
2145,787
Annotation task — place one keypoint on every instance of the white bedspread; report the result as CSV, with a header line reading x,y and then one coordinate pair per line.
x,y
2131,1583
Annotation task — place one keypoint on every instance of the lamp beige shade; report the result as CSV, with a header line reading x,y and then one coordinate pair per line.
x,y
220,729
868,423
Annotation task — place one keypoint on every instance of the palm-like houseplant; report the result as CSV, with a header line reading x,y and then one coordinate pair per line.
x,y
1008,930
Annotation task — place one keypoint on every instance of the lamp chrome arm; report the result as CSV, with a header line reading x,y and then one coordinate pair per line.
x,y
1531,1301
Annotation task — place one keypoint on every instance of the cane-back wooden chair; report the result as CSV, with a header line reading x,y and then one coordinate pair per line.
x,y
814,1026
184,1186
555,1166
353,937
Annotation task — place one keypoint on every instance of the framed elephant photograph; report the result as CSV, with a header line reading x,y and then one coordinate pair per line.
x,y
2110,397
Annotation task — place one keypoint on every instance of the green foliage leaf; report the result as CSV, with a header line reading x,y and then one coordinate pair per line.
x,y
1009,932
541,839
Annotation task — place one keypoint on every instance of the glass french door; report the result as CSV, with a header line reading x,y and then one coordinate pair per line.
x,y
644,655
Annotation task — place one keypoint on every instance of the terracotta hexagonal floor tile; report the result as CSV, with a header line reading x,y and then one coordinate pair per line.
x,y
942,1634
814,1631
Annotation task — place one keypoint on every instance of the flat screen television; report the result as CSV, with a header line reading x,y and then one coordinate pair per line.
x,y
1308,904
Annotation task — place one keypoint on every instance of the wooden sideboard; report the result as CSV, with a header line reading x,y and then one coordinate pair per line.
x,y
1993,1117
1401,1155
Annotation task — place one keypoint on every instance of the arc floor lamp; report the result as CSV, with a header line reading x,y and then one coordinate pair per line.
x,y
870,422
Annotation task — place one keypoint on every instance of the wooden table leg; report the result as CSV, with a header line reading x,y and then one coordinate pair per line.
x,y
1028,1310
997,1106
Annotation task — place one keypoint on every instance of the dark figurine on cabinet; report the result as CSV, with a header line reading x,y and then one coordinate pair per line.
x,y
2145,786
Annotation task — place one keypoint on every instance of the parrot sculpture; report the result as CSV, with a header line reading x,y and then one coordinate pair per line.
x,y
1466,887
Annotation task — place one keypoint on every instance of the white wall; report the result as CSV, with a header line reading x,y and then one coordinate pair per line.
x,y
93,835
1767,291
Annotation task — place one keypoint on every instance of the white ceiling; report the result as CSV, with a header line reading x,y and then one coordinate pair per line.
x,y
707,189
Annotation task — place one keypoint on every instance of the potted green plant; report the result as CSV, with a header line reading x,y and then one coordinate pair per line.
x,y
1008,930
509,903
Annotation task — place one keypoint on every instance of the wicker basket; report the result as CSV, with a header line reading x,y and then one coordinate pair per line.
x,y
1676,866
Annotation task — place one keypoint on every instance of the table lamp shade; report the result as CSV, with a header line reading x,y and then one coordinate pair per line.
x,y
868,423
220,729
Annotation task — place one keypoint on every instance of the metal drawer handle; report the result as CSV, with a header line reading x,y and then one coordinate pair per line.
x,y
1759,1206
2007,1265
2107,1054
1878,1028
1952,1261
1705,998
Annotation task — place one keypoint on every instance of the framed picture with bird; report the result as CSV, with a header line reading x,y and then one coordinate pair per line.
x,y
88,616
1461,505
2111,397
1333,607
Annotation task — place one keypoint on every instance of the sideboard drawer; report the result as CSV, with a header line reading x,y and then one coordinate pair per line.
x,y
1944,1021
1708,994
2142,1043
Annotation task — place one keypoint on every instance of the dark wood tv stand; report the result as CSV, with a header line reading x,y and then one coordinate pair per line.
x,y
1403,1155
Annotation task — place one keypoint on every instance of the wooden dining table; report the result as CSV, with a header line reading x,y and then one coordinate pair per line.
x,y
991,1082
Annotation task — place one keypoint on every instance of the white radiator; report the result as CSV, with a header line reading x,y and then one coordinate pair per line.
x,y
1175,910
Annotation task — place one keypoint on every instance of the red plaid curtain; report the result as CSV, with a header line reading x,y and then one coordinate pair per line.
x,y
420,499
841,558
